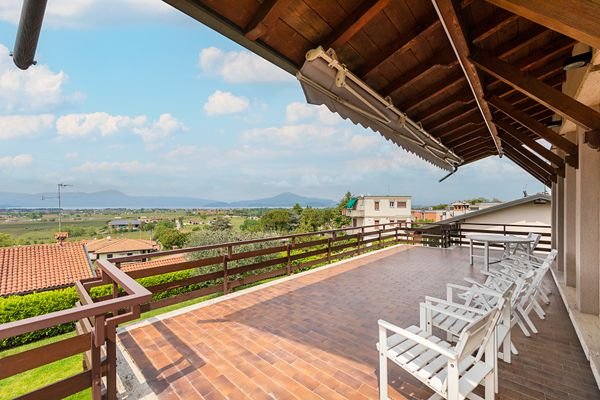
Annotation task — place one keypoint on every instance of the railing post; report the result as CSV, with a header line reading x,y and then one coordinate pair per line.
x,y
289,257
225,274
396,235
96,368
329,250
380,244
111,358
359,239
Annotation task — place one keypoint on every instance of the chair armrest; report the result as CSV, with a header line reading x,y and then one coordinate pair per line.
x,y
482,289
449,353
429,302
441,310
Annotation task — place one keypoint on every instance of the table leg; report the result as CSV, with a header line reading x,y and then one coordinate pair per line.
x,y
471,252
486,257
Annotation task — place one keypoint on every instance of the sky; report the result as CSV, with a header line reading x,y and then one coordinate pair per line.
x,y
133,95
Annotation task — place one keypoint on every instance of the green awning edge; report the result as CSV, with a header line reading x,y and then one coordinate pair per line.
x,y
351,202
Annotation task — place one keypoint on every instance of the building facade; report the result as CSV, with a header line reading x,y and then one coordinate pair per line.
x,y
375,210
105,249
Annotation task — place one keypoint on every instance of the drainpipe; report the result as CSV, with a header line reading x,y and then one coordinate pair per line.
x,y
30,25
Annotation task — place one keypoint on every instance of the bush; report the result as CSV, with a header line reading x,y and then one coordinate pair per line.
x,y
15,308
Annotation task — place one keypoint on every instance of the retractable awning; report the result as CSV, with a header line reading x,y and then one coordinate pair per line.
x,y
326,81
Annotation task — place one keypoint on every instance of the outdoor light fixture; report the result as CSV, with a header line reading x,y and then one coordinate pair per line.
x,y
555,123
577,61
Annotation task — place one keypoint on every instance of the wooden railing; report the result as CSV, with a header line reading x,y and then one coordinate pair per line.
x,y
96,323
458,232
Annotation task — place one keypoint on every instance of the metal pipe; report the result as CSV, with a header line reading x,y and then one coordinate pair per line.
x,y
30,25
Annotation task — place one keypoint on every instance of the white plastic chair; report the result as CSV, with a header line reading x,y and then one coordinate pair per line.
x,y
451,372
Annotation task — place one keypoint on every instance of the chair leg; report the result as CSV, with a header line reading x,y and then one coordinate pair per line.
x,y
538,309
513,349
383,370
525,315
521,325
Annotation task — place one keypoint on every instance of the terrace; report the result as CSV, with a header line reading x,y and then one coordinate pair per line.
x,y
453,82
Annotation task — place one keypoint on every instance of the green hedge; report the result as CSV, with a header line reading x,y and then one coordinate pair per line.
x,y
14,308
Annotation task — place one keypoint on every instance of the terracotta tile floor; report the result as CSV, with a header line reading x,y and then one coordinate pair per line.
x,y
313,338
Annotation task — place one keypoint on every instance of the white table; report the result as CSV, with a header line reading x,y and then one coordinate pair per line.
x,y
486,239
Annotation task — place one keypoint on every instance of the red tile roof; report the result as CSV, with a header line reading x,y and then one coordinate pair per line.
x,y
25,269
159,262
111,245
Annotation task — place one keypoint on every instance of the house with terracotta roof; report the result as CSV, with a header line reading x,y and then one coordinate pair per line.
x,y
39,267
102,249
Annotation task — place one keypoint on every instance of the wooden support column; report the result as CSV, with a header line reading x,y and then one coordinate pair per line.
x,y
553,219
570,221
449,14
574,18
560,231
588,229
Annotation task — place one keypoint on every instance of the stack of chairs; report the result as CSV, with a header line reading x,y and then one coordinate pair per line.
x,y
477,319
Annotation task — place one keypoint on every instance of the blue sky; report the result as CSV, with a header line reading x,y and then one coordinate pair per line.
x,y
135,96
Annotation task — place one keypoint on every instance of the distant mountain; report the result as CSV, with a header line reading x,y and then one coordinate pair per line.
x,y
116,199
284,200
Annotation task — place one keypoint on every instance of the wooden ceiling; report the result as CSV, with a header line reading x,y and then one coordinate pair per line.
x,y
402,49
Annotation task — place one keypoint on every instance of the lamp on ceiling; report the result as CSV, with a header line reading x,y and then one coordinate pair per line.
x,y
577,61
555,123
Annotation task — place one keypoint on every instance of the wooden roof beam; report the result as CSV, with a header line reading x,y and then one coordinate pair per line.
x,y
472,144
517,160
492,25
445,61
472,119
544,94
256,27
479,156
440,107
531,143
456,115
479,150
529,155
534,125
450,82
451,20
357,20
576,18
454,140
398,46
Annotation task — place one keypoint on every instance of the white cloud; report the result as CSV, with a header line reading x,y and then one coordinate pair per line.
x,y
98,123
165,126
22,126
128,167
86,13
18,161
36,89
104,124
240,66
360,142
299,112
221,102
71,155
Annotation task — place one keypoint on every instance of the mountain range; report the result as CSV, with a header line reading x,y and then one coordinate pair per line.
x,y
116,199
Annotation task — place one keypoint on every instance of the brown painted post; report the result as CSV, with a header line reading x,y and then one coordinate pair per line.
x,y
380,244
396,234
111,358
329,250
289,258
96,368
225,274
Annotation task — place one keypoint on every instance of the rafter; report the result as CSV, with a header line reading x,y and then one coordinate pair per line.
x,y
478,151
256,28
454,140
443,61
456,115
532,144
399,46
455,79
580,21
451,19
492,25
528,154
533,125
442,106
471,144
472,119
517,160
357,20
479,156
555,100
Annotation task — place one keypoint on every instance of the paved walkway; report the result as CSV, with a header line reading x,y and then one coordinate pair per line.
x,y
313,337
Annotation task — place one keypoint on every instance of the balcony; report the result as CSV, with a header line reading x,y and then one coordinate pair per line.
x,y
308,335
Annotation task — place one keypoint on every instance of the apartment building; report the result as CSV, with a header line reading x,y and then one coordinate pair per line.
x,y
373,210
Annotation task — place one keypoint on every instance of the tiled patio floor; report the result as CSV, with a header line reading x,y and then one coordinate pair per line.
x,y
313,338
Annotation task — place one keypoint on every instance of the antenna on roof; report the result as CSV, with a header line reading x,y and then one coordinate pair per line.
x,y
525,191
59,187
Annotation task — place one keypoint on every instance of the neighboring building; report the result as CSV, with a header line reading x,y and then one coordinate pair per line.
x,y
127,224
373,210
108,248
159,262
40,267
428,215
531,210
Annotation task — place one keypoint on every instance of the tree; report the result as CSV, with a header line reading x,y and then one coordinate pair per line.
x,y
340,220
276,220
311,220
6,240
220,224
250,225
171,238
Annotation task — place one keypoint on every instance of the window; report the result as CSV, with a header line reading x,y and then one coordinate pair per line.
x,y
401,204
391,204
376,205
129,254
376,222
109,256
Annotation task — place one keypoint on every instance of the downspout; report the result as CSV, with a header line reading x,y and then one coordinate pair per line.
x,y
30,25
